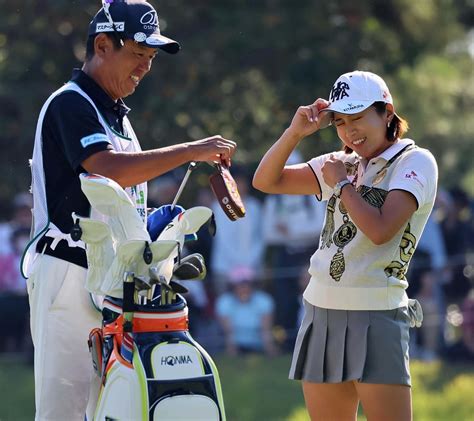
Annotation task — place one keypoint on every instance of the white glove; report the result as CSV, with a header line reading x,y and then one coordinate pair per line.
x,y
415,312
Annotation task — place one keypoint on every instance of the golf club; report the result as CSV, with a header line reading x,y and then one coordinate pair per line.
x,y
190,267
192,165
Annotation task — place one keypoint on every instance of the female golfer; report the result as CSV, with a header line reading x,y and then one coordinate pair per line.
x,y
353,342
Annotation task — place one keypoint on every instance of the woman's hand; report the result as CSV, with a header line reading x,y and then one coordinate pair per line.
x,y
307,119
333,171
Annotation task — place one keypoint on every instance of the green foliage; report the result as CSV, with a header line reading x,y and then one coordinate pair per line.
x,y
245,67
257,388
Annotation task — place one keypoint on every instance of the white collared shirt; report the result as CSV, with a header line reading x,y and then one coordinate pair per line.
x,y
348,271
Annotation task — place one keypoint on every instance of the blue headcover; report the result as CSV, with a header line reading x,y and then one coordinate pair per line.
x,y
161,217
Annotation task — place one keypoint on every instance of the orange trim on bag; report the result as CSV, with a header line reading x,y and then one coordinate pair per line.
x,y
116,354
142,325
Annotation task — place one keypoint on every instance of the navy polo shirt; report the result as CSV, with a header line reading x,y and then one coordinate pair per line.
x,y
69,119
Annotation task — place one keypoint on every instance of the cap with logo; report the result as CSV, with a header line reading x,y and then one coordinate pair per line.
x,y
354,92
135,20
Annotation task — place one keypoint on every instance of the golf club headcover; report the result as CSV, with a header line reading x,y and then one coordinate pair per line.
x,y
225,190
109,199
100,251
161,217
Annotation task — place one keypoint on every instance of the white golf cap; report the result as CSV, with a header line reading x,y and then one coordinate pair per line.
x,y
356,91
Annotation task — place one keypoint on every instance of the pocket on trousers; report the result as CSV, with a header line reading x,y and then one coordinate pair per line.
x,y
60,283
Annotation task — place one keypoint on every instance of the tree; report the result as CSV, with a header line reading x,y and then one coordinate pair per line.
x,y
244,68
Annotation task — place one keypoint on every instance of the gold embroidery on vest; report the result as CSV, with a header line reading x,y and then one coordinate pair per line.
x,y
373,196
343,236
407,247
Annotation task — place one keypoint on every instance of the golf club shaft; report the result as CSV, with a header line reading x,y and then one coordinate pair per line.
x,y
191,167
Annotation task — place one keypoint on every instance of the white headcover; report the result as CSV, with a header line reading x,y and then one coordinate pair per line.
x,y
110,199
113,252
100,251
187,222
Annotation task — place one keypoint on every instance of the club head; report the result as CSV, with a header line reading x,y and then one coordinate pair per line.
x,y
197,260
178,288
154,275
186,270
191,267
141,284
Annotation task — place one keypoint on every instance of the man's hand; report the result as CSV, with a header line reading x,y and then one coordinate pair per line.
x,y
333,171
307,119
214,148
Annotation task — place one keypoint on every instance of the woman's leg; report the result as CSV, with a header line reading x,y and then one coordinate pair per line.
x,y
331,401
385,402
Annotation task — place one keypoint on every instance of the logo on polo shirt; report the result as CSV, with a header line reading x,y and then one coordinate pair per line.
x,y
108,27
94,138
412,175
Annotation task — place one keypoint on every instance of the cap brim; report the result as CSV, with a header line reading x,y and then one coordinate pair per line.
x,y
348,106
163,43
342,107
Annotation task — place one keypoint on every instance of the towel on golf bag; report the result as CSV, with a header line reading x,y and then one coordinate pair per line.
x,y
225,189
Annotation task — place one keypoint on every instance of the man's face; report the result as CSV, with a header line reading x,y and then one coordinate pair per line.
x,y
125,68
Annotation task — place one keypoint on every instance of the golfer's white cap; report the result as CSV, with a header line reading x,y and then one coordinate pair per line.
x,y
354,92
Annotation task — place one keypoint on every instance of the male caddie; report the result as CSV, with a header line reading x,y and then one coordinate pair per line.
x,y
83,127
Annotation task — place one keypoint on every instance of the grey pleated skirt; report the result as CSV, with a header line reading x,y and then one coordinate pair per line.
x,y
335,346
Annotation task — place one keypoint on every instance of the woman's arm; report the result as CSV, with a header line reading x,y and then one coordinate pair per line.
x,y
226,325
267,337
272,176
378,224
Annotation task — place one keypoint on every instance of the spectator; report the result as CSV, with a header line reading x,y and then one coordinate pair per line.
x,y
237,243
457,231
463,350
162,190
246,315
14,309
303,282
291,228
205,239
428,346
20,218
427,274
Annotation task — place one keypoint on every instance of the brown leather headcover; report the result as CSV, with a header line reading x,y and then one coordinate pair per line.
x,y
225,189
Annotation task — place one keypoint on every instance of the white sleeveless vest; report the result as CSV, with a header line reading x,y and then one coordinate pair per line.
x,y
41,221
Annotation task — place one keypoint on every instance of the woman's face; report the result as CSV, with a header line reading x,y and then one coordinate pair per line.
x,y
364,132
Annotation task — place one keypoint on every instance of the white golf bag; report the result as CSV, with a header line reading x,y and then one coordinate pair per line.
x,y
149,365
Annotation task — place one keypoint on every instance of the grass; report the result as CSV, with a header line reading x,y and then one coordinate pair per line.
x,y
256,388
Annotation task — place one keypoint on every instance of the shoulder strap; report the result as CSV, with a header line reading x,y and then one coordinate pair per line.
x,y
395,157
399,153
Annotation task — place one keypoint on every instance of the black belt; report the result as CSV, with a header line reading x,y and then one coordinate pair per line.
x,y
62,251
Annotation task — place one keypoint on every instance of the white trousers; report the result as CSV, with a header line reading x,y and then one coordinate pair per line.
x,y
62,315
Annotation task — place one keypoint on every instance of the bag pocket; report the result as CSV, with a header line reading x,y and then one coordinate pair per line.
x,y
95,343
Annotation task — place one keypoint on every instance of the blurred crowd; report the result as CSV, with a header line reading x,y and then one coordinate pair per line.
x,y
251,299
